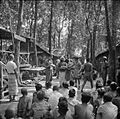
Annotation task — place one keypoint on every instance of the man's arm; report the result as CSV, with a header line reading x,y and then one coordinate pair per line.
x,y
2,64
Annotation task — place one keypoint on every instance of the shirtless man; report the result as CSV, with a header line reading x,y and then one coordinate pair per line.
x,y
88,71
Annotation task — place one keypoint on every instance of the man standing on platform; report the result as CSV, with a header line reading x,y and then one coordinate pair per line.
x,y
88,72
12,77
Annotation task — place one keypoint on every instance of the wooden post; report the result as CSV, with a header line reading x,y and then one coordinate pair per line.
x,y
1,77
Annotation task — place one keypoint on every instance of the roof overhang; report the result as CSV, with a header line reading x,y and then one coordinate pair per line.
x,y
5,34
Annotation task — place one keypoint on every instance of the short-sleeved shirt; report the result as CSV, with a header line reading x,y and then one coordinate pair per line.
x,y
108,111
54,99
11,66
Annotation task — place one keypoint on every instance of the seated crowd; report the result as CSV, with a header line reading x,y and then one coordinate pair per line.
x,y
63,103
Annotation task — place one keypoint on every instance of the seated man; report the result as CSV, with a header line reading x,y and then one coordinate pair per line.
x,y
84,110
108,110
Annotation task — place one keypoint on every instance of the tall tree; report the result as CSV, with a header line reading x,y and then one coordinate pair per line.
x,y
111,37
18,32
50,27
34,32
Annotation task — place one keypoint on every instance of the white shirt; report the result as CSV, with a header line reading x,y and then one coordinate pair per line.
x,y
11,66
54,99
64,92
71,104
48,92
107,111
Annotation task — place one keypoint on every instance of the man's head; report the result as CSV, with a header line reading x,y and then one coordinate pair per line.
x,y
11,57
71,83
72,93
86,96
9,113
62,99
24,91
107,97
113,86
48,85
40,95
65,85
55,88
38,87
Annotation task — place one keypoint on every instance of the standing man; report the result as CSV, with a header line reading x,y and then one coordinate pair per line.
x,y
48,71
76,72
12,77
88,72
104,68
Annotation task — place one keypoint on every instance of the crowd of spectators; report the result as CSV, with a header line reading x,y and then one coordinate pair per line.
x,y
63,103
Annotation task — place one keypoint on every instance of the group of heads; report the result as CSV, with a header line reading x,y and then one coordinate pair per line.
x,y
106,95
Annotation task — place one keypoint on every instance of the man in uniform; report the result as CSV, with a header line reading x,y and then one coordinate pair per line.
x,y
88,71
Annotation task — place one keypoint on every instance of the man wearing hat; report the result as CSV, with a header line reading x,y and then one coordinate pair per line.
x,y
11,68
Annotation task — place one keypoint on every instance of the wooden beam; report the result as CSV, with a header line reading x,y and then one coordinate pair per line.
x,y
19,38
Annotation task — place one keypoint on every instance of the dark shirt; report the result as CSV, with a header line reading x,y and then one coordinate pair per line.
x,y
88,67
24,106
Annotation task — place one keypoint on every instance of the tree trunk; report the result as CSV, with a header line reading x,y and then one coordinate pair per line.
x,y
111,42
54,43
93,44
18,32
59,46
50,27
34,33
115,22
69,39
88,47
17,42
91,47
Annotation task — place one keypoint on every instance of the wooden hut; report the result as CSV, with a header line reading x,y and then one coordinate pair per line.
x,y
106,53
